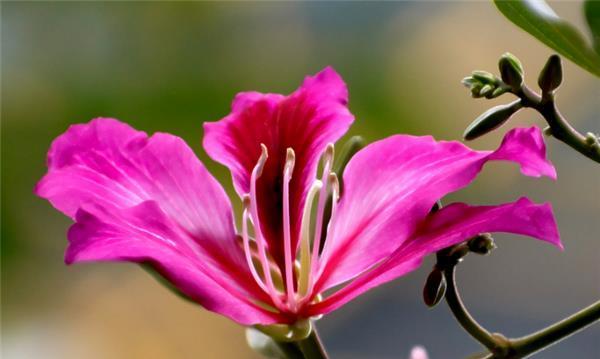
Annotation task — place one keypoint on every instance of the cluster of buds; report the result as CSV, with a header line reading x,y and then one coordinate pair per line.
x,y
485,84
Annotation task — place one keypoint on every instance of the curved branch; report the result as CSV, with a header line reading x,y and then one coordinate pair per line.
x,y
559,127
462,315
556,332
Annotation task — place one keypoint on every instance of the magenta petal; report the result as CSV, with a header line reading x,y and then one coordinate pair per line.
x,y
108,163
306,121
391,185
451,225
144,234
108,167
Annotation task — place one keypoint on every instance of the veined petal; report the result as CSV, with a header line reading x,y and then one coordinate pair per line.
x,y
144,234
107,166
391,185
306,121
451,225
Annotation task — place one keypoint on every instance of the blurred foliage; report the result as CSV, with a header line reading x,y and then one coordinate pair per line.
x,y
537,18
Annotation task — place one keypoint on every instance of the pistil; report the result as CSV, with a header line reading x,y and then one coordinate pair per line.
x,y
287,240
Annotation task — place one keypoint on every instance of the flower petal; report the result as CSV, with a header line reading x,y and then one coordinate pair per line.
x,y
451,225
306,121
406,176
144,234
107,166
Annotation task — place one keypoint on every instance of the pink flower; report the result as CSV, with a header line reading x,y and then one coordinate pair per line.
x,y
149,199
418,352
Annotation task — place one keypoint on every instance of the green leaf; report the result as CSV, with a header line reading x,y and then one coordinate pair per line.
x,y
591,8
537,18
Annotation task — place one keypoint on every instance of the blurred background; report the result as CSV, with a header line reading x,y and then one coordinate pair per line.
x,y
169,67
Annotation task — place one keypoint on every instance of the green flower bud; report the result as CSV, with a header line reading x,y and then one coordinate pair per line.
x,y
551,75
491,119
482,244
484,77
511,70
485,90
435,287
591,138
468,81
498,91
476,89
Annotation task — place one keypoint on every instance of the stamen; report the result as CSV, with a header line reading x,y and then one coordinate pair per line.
x,y
315,267
260,240
287,240
305,260
328,163
246,241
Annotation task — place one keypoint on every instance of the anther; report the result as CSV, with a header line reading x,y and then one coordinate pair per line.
x,y
328,155
260,165
290,160
334,182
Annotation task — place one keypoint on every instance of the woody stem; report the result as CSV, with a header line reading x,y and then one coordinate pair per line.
x,y
559,127
502,348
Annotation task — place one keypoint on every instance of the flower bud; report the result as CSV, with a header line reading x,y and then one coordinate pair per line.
x,y
468,81
484,77
475,89
485,90
491,119
482,244
591,138
501,90
551,75
435,287
511,70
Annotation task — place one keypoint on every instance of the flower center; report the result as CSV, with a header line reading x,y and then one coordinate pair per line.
x,y
293,293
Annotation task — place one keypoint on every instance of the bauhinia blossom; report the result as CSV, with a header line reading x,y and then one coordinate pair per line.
x,y
150,200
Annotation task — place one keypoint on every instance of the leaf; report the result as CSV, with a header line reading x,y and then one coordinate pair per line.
x,y
591,8
537,18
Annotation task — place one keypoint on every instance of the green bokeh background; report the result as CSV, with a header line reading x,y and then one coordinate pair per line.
x,y
168,67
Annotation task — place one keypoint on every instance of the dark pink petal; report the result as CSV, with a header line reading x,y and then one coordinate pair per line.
x,y
451,225
391,185
108,167
144,234
306,121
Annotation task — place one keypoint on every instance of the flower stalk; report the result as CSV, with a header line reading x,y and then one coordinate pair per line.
x,y
312,347
556,332
500,347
